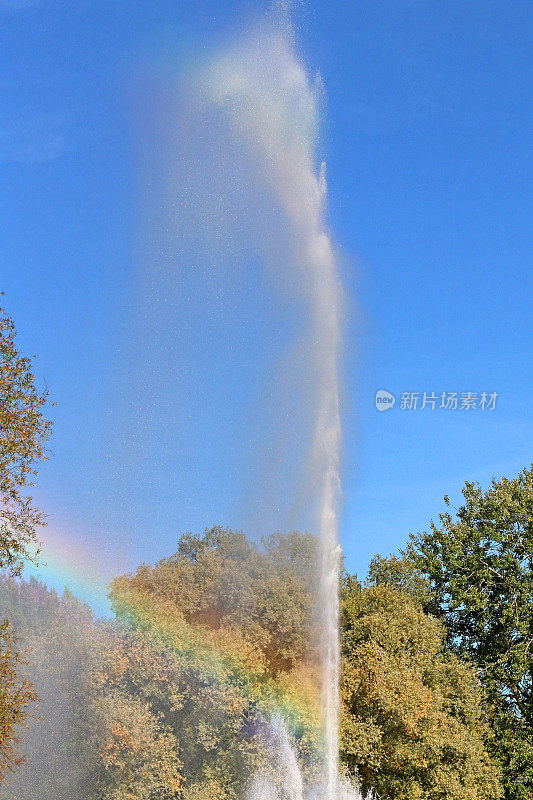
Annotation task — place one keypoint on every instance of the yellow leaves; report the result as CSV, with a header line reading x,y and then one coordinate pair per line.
x,y
23,435
207,688
139,755
114,668
425,703
408,722
16,695
300,689
223,653
120,744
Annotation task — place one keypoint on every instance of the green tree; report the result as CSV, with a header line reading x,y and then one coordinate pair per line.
x,y
413,725
401,573
479,567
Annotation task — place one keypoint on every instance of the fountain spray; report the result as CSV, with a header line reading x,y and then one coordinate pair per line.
x,y
272,105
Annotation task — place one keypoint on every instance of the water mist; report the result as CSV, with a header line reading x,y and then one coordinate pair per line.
x,y
273,107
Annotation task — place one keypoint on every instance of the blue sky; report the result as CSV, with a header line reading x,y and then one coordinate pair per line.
x,y
427,138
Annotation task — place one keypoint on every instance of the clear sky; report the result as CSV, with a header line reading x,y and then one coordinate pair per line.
x,y
427,138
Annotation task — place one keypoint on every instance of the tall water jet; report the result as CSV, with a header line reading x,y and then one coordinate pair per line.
x,y
272,105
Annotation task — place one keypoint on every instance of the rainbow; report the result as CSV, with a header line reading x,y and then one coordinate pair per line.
x,y
224,655
215,655
66,562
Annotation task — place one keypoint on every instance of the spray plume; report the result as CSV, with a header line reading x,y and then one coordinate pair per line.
x,y
273,107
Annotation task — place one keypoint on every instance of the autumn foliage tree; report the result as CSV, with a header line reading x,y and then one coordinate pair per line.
x,y
171,699
222,580
24,431
16,694
23,435
212,639
138,755
413,726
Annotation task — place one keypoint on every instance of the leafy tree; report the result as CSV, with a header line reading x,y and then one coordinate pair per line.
x,y
23,435
480,568
168,723
413,725
63,646
170,699
402,574
16,694
214,638
476,574
24,432
138,754
222,580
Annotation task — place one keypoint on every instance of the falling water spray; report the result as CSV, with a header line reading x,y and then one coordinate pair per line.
x,y
274,108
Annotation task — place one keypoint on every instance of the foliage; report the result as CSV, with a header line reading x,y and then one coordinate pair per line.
x,y
413,724
232,649
513,746
192,716
269,603
16,695
480,571
158,703
23,435
62,646
138,755
475,573
402,574
171,699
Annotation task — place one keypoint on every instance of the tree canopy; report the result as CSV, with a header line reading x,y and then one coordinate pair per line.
x,y
172,699
24,432
413,724
16,694
168,700
222,580
474,571
62,647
